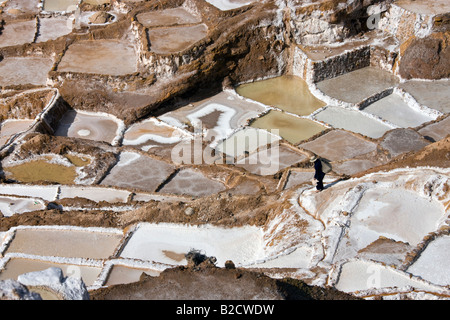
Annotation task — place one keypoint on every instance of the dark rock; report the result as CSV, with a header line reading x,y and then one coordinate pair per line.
x,y
427,58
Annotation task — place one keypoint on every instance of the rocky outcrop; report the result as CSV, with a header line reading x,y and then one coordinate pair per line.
x,y
426,58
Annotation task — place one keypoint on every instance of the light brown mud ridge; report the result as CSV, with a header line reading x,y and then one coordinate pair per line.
x,y
152,128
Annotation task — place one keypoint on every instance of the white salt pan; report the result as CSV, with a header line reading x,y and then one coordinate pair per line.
x,y
160,242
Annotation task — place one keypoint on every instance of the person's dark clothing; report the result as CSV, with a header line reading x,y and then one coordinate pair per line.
x,y
319,175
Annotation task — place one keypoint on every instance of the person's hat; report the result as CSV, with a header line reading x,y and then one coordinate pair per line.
x,y
313,158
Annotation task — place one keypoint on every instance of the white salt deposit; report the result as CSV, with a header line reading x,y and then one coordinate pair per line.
x,y
163,242
364,275
48,193
15,205
432,265
225,5
95,194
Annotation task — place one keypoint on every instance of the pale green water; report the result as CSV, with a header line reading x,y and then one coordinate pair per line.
x,y
289,93
291,128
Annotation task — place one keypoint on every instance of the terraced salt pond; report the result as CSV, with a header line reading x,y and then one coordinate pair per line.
x,y
166,243
432,261
59,242
150,133
42,170
17,266
246,141
191,182
392,213
395,110
17,33
356,86
388,226
92,126
47,168
168,40
167,17
354,121
287,92
60,5
11,127
24,71
290,128
109,57
367,276
150,248
16,205
134,170
225,5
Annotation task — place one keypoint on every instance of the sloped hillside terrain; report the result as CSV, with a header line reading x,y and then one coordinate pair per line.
x,y
138,137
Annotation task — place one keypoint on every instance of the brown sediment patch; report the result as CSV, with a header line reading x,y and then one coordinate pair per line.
x,y
211,120
42,170
174,255
24,105
78,161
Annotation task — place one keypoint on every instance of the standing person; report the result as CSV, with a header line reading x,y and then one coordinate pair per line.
x,y
319,174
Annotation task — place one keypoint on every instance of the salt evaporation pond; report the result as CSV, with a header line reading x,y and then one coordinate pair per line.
x,y
168,243
353,120
123,274
60,5
246,141
11,127
289,93
395,110
42,170
17,33
290,128
392,213
432,264
18,266
352,87
191,182
134,170
167,17
175,39
16,205
364,275
225,5
63,242
24,70
110,57
92,126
